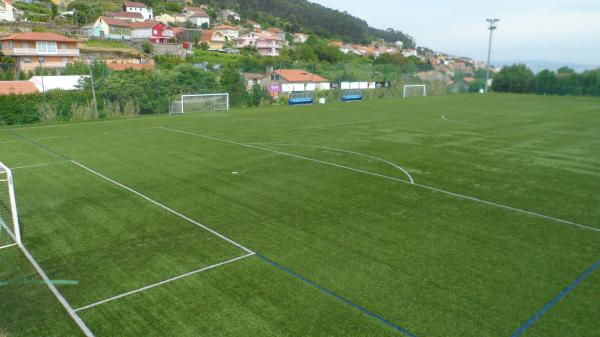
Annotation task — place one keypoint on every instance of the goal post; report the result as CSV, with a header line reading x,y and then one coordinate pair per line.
x,y
413,90
10,233
200,103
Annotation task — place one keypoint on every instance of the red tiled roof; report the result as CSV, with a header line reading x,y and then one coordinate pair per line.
x,y
17,87
226,27
129,15
178,30
125,66
134,4
207,35
115,22
275,30
33,36
144,24
299,75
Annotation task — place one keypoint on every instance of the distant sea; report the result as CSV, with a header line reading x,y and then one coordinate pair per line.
x,y
537,65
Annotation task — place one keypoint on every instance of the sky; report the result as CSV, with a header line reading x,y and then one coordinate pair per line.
x,y
566,31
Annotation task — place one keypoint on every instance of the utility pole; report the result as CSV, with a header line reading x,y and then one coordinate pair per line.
x,y
44,92
491,28
93,88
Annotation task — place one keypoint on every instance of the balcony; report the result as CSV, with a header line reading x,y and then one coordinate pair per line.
x,y
35,52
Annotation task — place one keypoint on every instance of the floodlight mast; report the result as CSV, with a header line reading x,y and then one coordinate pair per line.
x,y
492,27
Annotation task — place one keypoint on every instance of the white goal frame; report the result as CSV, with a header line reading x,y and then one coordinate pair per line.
x,y
183,97
414,86
8,179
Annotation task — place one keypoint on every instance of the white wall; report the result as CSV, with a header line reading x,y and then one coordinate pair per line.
x,y
57,82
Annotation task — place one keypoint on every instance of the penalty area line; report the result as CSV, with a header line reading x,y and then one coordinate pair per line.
x,y
154,285
145,197
40,164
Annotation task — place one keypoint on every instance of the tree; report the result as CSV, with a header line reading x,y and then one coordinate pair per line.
x,y
259,94
516,78
546,83
147,47
233,83
86,11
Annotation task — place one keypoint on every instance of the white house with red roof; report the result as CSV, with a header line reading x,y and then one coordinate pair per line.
x,y
196,15
267,44
111,29
138,7
231,32
156,32
7,11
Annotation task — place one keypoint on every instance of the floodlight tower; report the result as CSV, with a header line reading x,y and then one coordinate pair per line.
x,y
493,25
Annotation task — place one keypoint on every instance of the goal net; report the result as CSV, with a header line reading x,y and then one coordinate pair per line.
x,y
415,90
10,233
200,103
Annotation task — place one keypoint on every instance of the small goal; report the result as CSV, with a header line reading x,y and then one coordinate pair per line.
x,y
10,233
414,90
200,103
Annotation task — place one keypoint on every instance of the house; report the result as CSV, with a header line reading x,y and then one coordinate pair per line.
x,y
280,34
111,29
171,18
156,32
291,80
196,15
17,88
300,37
32,50
126,16
229,16
265,43
230,32
213,38
138,7
252,79
7,11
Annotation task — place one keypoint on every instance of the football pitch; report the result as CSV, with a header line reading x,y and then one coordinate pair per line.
x,y
463,215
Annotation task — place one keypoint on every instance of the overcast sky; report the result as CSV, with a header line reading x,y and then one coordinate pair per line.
x,y
552,30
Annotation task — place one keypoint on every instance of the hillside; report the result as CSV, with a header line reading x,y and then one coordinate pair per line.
x,y
294,15
321,20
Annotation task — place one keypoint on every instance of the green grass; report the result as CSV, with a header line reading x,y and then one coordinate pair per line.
x,y
430,262
106,44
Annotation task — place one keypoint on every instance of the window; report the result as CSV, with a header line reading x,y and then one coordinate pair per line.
x,y
46,46
63,46
42,60
65,60
27,59
11,44
26,45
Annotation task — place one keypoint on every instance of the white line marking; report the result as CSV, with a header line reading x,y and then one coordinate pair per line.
x,y
8,246
40,165
445,117
165,207
412,181
391,178
53,289
154,285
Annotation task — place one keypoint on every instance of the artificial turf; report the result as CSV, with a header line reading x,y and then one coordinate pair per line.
x,y
361,249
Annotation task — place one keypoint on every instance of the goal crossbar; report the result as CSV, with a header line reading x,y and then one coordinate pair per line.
x,y
8,206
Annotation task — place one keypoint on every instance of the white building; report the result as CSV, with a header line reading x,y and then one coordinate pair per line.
x,y
138,7
7,11
196,16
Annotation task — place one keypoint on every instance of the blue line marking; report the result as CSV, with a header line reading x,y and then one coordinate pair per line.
x,y
555,300
331,293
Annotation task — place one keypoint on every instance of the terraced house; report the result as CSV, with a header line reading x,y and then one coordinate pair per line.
x,y
33,50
